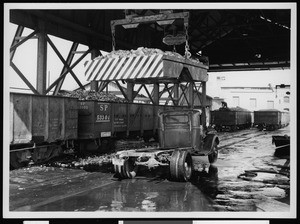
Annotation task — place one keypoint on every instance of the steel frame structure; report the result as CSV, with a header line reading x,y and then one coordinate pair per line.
x,y
43,40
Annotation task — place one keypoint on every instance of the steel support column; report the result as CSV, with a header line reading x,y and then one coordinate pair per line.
x,y
203,116
130,86
176,93
41,60
191,94
156,97
94,83
156,93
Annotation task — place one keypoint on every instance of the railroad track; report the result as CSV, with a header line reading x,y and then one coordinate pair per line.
x,y
241,137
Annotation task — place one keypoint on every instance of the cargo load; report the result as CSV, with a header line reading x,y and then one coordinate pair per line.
x,y
143,63
92,95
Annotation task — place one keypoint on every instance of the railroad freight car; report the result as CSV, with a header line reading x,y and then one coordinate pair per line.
x,y
271,119
99,123
40,127
231,119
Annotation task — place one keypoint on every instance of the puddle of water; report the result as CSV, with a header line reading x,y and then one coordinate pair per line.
x,y
136,195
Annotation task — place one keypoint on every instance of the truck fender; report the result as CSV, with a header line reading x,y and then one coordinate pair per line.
x,y
209,140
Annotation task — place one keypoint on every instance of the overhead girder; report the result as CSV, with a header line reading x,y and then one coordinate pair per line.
x,y
63,28
210,31
250,66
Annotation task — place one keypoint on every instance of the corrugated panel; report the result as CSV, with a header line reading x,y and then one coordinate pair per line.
x,y
21,122
42,118
125,68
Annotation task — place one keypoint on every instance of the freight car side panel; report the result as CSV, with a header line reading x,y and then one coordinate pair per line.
x,y
267,117
135,112
21,122
86,120
56,118
41,118
119,117
223,117
243,117
71,113
40,114
148,118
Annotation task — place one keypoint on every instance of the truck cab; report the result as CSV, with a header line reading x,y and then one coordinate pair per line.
x,y
181,128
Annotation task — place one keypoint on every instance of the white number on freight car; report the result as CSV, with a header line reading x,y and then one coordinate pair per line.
x,y
103,118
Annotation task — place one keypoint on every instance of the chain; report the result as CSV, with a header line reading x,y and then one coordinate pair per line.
x,y
187,54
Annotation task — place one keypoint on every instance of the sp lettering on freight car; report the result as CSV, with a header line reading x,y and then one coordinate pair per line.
x,y
103,107
102,112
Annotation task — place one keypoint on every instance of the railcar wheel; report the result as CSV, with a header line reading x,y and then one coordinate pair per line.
x,y
181,166
128,170
213,157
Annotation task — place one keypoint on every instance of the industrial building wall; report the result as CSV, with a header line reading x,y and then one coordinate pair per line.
x,y
251,91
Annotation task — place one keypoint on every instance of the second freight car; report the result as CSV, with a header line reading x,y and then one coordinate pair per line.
x,y
99,123
231,119
271,119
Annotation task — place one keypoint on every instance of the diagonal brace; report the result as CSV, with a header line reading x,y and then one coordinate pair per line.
x,y
64,62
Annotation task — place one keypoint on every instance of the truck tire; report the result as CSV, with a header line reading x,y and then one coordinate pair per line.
x,y
213,157
127,171
181,166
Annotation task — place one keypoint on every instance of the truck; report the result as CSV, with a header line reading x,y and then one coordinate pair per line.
x,y
181,136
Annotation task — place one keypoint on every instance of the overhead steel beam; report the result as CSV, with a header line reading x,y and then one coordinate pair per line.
x,y
249,67
76,27
151,18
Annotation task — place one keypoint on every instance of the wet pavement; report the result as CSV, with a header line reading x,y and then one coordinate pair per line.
x,y
217,187
267,191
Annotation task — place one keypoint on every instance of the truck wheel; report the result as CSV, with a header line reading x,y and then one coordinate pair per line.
x,y
127,170
181,166
214,155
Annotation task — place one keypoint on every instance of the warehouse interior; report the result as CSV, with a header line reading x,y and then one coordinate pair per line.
x,y
198,96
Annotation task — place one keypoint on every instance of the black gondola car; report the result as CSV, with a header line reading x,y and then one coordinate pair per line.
x,y
231,119
271,119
